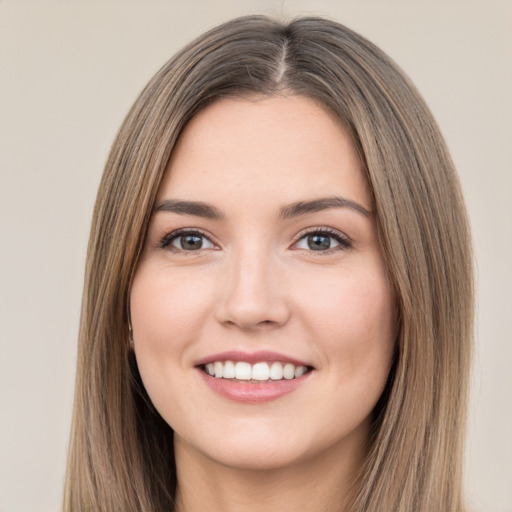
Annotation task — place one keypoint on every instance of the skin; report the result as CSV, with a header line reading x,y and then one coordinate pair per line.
x,y
256,284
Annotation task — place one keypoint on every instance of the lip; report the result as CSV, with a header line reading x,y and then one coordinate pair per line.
x,y
251,357
253,393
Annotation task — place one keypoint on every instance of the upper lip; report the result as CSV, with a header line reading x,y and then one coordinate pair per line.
x,y
251,357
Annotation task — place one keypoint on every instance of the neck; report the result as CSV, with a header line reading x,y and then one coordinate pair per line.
x,y
318,484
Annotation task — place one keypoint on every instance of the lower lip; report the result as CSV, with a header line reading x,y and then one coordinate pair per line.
x,y
253,392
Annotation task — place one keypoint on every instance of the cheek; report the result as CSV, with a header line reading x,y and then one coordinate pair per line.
x,y
352,317
166,305
168,314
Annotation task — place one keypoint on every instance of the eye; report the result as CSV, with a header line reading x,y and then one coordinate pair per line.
x,y
187,241
322,240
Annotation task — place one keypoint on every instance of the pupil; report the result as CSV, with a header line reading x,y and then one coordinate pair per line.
x,y
191,242
319,242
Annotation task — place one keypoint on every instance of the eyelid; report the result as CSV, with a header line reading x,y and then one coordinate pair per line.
x,y
343,240
166,240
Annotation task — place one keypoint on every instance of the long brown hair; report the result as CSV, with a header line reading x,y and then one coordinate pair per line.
x,y
121,451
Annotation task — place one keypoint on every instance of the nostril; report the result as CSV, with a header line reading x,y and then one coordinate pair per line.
x,y
252,300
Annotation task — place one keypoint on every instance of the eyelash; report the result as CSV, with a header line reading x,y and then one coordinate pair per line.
x,y
166,241
343,241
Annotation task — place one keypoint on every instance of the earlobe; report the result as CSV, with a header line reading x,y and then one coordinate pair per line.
x,y
130,335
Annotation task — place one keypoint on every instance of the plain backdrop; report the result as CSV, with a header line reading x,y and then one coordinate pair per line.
x,y
70,70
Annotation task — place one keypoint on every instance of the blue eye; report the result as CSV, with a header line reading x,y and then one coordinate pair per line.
x,y
322,240
186,241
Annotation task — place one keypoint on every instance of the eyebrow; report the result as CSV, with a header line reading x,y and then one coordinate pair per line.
x,y
316,205
205,210
196,208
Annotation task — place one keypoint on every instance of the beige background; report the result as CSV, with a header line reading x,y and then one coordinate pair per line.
x,y
68,73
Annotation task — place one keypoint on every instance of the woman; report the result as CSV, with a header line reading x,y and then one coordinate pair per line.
x,y
278,301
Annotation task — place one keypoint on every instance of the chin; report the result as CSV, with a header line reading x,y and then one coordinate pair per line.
x,y
255,457
274,449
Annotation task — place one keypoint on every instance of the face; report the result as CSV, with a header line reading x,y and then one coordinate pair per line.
x,y
262,317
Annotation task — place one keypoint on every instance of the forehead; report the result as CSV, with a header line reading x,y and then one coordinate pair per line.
x,y
283,146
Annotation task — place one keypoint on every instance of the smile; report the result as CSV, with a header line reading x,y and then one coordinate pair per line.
x,y
253,377
259,372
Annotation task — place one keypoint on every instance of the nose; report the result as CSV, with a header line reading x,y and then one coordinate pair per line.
x,y
253,296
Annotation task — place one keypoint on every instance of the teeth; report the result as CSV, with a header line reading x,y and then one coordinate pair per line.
x,y
257,372
276,371
288,371
229,370
242,371
218,369
299,371
260,371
